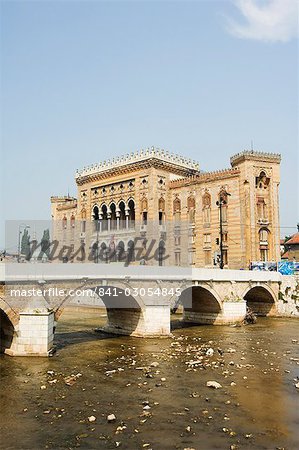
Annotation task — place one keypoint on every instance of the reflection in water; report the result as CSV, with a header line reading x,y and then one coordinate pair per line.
x,y
256,408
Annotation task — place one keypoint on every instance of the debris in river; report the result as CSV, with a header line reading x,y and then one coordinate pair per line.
x,y
71,379
214,384
111,418
250,317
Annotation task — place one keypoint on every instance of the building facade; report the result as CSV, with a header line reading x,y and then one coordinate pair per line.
x,y
152,194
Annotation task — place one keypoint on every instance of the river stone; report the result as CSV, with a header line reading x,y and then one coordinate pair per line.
x,y
111,418
213,384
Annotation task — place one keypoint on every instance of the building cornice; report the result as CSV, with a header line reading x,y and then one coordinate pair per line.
x,y
205,177
255,156
153,157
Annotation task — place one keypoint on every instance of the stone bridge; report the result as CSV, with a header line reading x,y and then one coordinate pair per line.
x,y
138,299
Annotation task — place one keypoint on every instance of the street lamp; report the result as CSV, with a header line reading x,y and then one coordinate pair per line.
x,y
22,225
220,203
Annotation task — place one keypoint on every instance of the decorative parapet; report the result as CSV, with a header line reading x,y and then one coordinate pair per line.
x,y
204,177
139,156
253,155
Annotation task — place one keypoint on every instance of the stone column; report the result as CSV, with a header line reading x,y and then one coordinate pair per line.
x,y
35,329
117,219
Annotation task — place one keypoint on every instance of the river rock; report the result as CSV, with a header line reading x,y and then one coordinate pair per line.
x,y
91,419
213,385
111,418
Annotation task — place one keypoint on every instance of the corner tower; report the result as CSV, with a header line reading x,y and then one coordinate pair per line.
x,y
259,200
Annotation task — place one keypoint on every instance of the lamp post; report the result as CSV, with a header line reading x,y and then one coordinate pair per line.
x,y
220,203
22,225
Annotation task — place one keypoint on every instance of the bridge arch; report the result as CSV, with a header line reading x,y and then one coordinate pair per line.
x,y
201,305
260,299
125,313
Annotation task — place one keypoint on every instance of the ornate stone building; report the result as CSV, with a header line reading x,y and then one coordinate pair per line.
x,y
153,194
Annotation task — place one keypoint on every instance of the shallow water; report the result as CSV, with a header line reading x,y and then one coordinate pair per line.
x,y
261,411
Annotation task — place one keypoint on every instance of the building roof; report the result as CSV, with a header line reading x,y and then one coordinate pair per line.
x,y
294,240
180,163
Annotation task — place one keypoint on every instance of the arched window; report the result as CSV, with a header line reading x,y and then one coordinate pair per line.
x,y
113,216
144,211
262,181
177,209
96,218
264,244
104,218
131,206
262,212
264,233
191,208
206,205
122,215
161,207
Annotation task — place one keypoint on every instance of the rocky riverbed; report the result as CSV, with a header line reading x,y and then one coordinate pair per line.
x,y
203,388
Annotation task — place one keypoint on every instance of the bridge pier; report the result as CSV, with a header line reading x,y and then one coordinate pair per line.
x,y
34,334
148,321
230,313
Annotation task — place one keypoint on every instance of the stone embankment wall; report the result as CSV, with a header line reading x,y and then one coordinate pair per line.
x,y
288,297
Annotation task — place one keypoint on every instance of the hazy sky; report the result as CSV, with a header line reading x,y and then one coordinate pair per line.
x,y
83,81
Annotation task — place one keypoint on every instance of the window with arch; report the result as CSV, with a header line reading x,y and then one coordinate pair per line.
x,y
177,209
206,207
191,208
264,235
122,215
144,210
262,181
131,206
161,207
104,213
96,217
113,216
264,244
262,210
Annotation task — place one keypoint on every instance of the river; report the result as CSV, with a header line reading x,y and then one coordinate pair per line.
x,y
156,388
